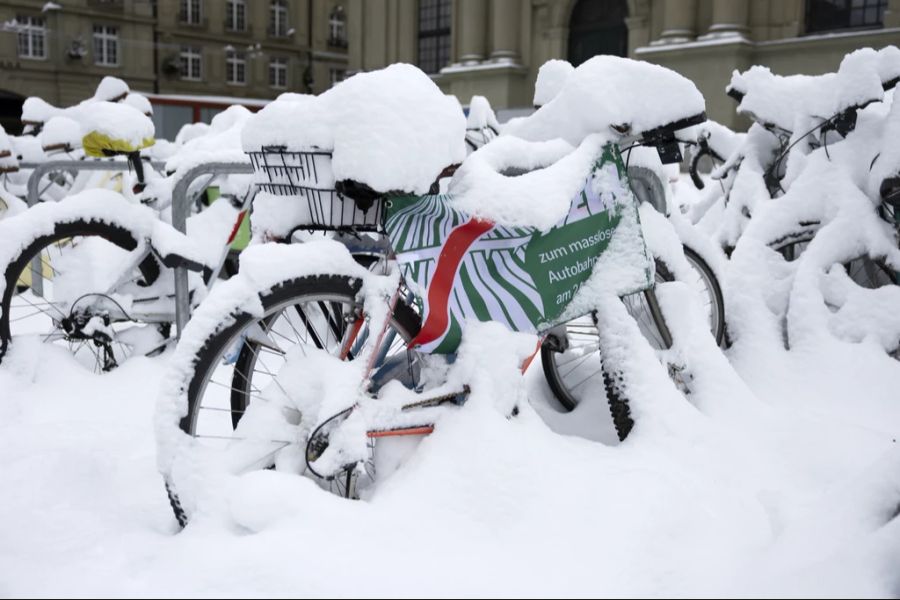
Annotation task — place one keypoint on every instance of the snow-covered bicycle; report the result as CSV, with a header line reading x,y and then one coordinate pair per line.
x,y
792,116
92,273
305,359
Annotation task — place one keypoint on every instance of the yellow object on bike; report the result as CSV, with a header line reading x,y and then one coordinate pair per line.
x,y
99,145
243,234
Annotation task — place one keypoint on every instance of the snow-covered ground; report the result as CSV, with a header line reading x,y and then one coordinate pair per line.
x,y
782,481
777,475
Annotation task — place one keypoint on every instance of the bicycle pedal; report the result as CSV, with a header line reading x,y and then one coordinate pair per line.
x,y
456,398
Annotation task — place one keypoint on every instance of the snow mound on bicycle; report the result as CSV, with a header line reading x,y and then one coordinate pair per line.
x,y
784,101
547,176
368,124
220,141
608,91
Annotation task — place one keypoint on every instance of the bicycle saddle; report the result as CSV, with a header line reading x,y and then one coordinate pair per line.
x,y
111,129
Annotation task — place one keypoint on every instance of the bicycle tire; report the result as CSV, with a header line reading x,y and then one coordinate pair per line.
x,y
284,294
550,351
119,236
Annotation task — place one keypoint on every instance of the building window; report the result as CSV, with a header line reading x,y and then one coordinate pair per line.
x,y
32,37
191,12
106,46
236,15
235,67
337,28
278,73
336,76
434,35
191,63
278,18
832,15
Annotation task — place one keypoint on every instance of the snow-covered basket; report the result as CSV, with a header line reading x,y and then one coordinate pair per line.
x,y
307,177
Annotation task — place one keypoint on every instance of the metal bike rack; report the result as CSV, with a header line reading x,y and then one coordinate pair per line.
x,y
38,170
43,168
181,209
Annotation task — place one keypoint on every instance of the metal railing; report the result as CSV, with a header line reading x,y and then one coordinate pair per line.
x,y
45,168
38,170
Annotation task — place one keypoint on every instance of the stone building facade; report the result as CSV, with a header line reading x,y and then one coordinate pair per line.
x,y
495,47
233,49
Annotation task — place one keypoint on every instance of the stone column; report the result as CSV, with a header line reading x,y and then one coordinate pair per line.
x,y
473,31
505,23
892,14
729,19
679,17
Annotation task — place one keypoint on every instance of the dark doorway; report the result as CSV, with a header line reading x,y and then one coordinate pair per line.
x,y
11,112
597,27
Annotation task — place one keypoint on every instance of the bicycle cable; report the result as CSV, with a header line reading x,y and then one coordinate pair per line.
x,y
777,164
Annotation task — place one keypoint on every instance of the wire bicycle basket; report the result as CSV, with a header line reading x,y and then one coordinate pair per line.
x,y
307,176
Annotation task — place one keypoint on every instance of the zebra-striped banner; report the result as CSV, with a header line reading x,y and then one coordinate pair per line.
x,y
464,268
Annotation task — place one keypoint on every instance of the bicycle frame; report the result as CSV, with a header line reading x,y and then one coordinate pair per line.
x,y
418,418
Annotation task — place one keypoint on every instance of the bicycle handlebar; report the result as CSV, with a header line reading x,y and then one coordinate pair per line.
x,y
704,150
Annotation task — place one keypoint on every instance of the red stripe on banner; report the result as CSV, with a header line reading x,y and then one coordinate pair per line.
x,y
458,242
237,227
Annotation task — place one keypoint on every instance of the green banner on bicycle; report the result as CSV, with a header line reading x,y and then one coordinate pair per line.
x,y
463,268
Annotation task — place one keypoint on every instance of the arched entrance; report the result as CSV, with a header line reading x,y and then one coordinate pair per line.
x,y
11,112
597,27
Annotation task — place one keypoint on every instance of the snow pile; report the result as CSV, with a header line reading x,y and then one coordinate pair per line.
x,y
608,91
116,121
547,176
481,115
61,133
885,62
392,129
788,102
35,111
119,122
551,78
220,142
111,112
28,148
111,89
481,125
140,102
190,131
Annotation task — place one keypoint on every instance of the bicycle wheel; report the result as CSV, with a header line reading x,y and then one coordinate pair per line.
x,y
51,295
249,360
573,368
864,270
